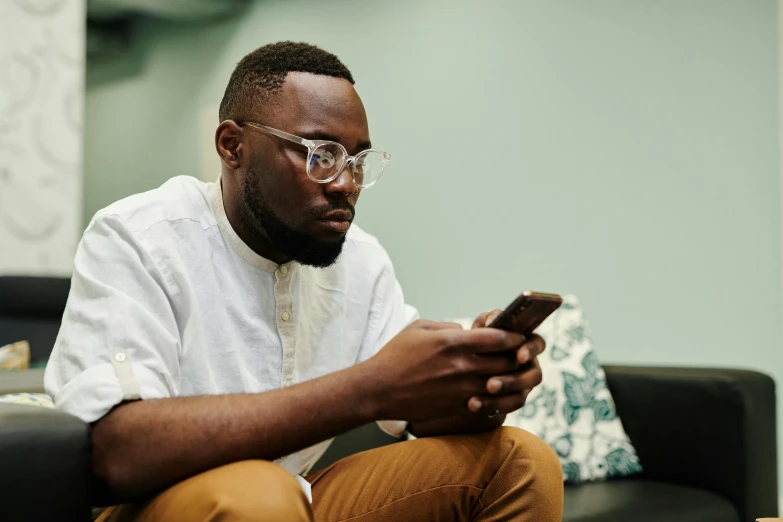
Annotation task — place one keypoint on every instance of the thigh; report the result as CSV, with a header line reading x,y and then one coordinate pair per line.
x,y
434,478
243,491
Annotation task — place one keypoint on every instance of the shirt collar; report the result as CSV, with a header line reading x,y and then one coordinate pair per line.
x,y
230,235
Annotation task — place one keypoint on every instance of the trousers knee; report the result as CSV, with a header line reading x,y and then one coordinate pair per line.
x,y
258,490
524,445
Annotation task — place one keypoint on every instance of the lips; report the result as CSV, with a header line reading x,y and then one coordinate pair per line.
x,y
337,220
337,215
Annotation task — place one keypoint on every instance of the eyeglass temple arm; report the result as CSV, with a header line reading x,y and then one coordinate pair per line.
x,y
280,134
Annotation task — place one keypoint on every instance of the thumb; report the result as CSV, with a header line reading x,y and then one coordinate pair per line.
x,y
485,319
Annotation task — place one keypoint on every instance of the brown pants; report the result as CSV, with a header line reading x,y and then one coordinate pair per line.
x,y
506,474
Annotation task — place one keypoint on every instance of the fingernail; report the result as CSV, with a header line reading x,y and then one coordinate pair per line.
x,y
524,355
494,385
474,405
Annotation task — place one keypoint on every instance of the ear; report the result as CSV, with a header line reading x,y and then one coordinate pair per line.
x,y
228,142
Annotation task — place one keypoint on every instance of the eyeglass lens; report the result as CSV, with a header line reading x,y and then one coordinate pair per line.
x,y
327,159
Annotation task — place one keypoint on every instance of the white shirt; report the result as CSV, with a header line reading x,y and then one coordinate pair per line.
x,y
166,300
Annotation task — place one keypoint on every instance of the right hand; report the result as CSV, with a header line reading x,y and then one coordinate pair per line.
x,y
430,370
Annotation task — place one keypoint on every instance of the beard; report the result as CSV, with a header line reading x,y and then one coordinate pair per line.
x,y
299,246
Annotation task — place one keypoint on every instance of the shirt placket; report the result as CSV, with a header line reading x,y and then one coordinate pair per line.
x,y
284,312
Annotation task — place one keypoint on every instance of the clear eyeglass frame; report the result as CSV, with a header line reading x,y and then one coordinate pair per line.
x,y
312,145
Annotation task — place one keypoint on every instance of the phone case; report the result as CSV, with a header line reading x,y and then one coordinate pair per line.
x,y
527,312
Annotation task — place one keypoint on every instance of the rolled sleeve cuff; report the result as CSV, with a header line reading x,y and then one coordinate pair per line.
x,y
91,394
393,428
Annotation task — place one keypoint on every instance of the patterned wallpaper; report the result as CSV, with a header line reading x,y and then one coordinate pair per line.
x,y
41,113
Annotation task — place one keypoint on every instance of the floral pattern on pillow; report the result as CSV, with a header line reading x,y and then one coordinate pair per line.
x,y
572,409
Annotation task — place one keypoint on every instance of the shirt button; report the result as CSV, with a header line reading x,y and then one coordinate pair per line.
x,y
285,316
119,357
284,269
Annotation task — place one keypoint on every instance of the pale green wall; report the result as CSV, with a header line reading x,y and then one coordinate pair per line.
x,y
622,150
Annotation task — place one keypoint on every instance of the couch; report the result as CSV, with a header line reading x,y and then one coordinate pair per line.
x,y
31,309
705,437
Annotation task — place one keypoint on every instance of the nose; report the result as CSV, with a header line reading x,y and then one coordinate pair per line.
x,y
343,185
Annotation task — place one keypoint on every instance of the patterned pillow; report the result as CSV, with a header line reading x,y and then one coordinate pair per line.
x,y
28,399
572,409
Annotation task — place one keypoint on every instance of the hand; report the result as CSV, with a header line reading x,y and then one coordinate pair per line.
x,y
509,392
430,370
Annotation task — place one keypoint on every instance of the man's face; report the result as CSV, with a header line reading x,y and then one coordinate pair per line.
x,y
305,220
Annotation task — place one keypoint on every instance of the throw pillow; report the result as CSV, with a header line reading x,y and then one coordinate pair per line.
x,y
15,356
572,409
29,399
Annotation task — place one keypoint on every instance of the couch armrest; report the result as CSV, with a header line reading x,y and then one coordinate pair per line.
x,y
44,465
708,428
24,381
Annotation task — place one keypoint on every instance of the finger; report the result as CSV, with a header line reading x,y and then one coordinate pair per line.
x,y
448,326
519,382
485,340
485,319
503,404
501,363
426,324
480,321
533,346
491,316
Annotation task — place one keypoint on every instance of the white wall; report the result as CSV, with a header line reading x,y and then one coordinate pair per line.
x,y
623,150
41,112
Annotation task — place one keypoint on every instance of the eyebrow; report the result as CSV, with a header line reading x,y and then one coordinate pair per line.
x,y
321,135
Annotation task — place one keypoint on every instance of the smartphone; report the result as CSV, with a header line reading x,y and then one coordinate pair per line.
x,y
527,312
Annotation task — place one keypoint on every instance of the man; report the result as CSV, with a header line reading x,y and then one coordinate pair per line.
x,y
218,336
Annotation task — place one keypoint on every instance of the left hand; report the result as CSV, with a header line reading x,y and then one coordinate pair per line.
x,y
507,393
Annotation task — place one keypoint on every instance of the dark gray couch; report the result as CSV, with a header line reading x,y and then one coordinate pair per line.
x,y
705,437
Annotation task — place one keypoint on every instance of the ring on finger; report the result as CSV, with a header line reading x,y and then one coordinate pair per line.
x,y
493,414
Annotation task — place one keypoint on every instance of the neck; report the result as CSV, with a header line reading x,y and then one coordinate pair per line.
x,y
256,239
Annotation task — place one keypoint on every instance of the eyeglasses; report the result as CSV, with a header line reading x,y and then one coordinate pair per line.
x,y
327,159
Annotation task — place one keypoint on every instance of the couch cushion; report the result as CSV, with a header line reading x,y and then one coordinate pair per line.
x,y
644,501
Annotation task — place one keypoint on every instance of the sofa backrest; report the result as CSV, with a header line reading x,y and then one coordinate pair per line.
x,y
31,309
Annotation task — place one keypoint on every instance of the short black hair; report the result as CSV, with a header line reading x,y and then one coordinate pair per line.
x,y
263,72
